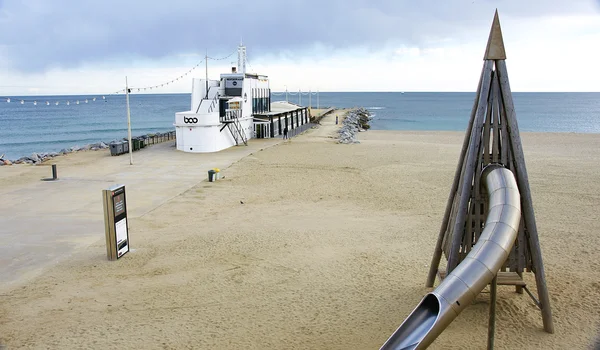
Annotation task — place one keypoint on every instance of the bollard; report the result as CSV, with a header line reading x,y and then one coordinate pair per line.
x,y
53,178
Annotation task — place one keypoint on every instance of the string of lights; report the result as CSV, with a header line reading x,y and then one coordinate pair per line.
x,y
50,101
138,89
103,97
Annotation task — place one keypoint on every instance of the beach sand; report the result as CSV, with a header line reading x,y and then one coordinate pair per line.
x,y
309,244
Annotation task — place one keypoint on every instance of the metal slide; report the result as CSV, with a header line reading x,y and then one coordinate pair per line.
x,y
440,307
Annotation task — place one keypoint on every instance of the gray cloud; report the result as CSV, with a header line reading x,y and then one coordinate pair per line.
x,y
39,34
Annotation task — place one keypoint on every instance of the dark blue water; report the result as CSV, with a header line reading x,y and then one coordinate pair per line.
x,y
27,128
536,112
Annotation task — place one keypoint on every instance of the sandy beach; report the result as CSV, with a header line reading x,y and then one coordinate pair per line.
x,y
305,244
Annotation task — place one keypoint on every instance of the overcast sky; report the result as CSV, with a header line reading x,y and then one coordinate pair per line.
x,y
81,46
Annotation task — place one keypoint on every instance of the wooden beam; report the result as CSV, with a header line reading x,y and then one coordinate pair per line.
x,y
496,122
437,252
492,319
467,179
526,201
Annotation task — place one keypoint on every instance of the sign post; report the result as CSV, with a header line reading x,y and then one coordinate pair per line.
x,y
115,222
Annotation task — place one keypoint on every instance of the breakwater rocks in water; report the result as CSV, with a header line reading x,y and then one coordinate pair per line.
x,y
356,120
38,158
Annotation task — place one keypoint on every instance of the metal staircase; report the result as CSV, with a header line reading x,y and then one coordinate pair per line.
x,y
232,122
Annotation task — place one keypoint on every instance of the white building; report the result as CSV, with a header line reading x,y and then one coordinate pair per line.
x,y
232,110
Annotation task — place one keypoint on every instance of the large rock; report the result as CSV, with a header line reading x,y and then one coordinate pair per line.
x,y
35,158
355,121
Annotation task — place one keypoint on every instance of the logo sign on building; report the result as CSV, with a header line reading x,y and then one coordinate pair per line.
x,y
234,83
115,222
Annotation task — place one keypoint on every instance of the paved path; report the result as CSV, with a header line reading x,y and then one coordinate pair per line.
x,y
42,222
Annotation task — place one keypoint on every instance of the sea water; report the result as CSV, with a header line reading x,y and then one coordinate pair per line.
x,y
27,128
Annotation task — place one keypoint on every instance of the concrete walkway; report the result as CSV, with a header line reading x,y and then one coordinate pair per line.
x,y
43,222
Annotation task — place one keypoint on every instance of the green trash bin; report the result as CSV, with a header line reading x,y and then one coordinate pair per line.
x,y
136,144
142,143
212,175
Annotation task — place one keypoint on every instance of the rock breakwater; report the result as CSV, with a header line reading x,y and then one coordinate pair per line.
x,y
357,120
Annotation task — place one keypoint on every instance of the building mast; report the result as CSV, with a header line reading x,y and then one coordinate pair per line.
x,y
241,58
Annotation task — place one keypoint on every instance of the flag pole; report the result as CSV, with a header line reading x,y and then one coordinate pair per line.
x,y
128,123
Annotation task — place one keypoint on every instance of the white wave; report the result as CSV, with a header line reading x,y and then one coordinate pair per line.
x,y
375,108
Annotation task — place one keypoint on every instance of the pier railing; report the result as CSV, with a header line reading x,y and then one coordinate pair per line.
x,y
300,129
139,142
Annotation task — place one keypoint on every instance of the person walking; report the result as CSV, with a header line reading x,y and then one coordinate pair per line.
x,y
336,120
285,133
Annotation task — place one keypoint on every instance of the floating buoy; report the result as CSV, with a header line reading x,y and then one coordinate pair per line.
x,y
8,100
22,102
35,103
86,101
57,103
68,103
77,102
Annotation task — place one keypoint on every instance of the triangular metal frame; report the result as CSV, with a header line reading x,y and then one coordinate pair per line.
x,y
492,137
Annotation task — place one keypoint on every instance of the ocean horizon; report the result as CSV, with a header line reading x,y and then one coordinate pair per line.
x,y
49,127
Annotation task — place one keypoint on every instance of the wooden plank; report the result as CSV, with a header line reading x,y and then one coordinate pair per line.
x,y
437,252
520,253
471,158
468,236
504,146
448,233
496,123
486,132
492,316
526,200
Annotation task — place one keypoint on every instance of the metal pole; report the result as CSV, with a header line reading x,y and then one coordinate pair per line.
x,y
310,99
206,65
128,123
492,321
300,97
54,175
317,99
286,96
